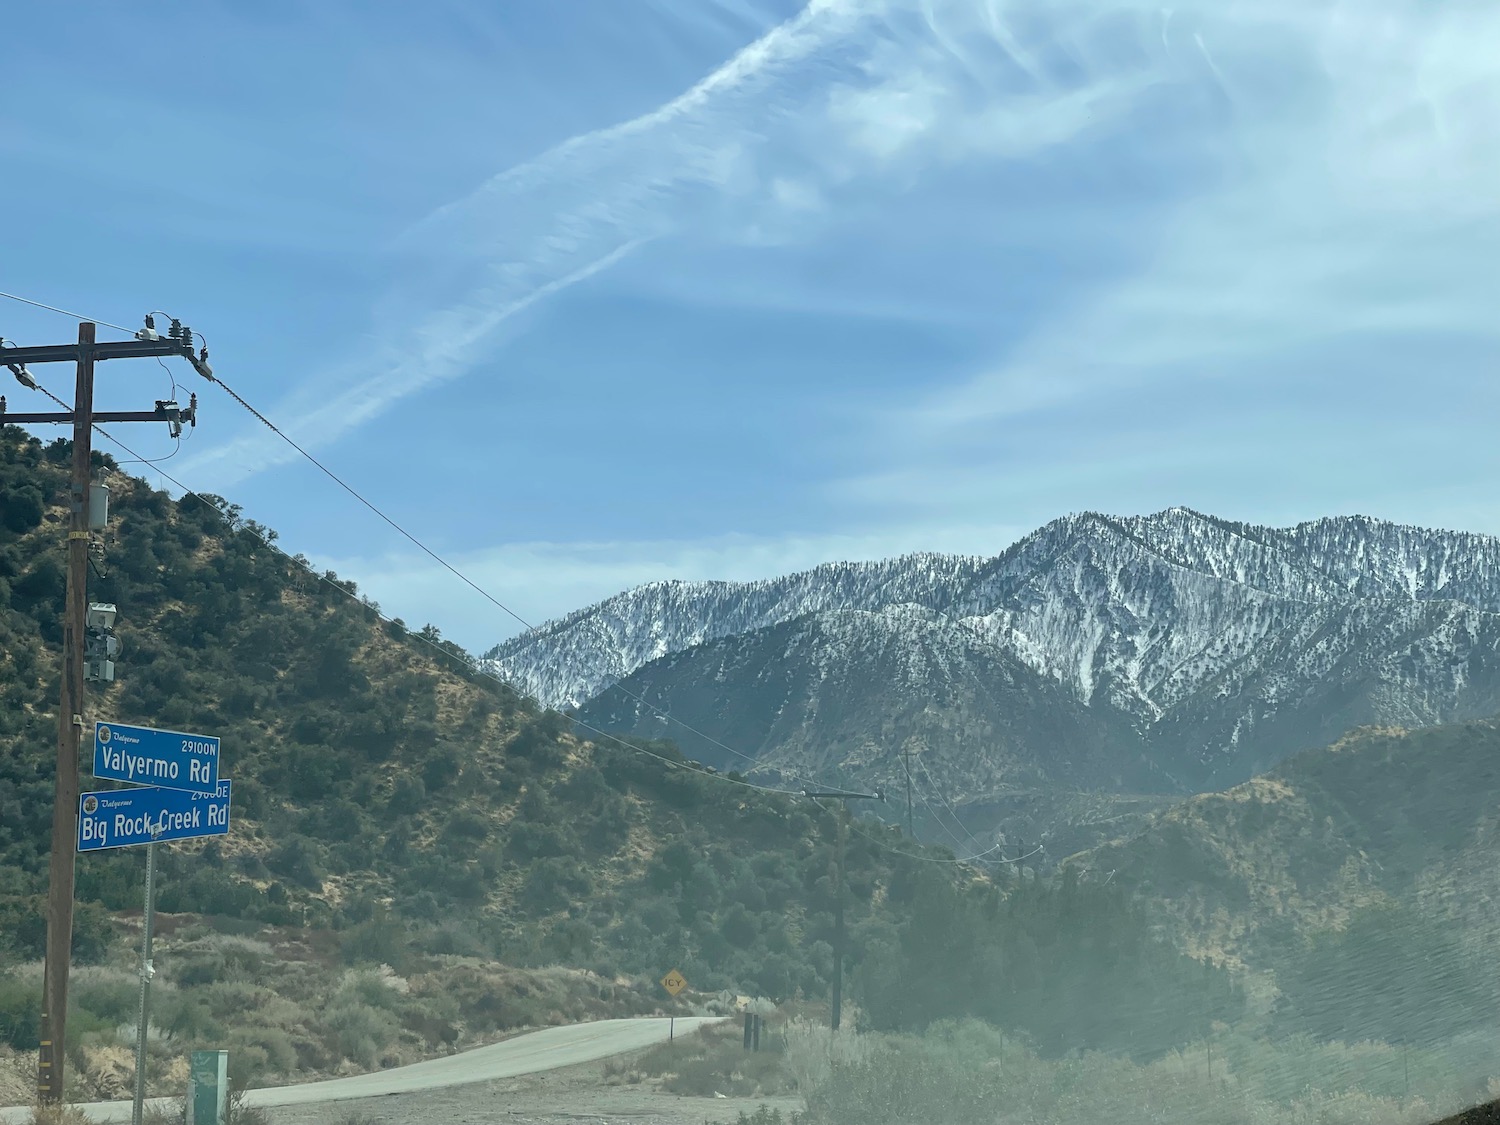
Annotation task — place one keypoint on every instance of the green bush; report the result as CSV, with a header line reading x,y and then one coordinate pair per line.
x,y
360,1032
298,859
382,941
1393,974
23,929
553,884
272,1046
971,1074
441,769
112,996
21,507
20,1013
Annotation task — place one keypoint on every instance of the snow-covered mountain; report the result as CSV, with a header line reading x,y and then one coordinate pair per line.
x,y
1169,652
564,662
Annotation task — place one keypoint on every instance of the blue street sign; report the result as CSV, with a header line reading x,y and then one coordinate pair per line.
x,y
143,756
117,818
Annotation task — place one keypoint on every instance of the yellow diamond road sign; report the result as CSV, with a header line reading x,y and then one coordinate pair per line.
x,y
674,982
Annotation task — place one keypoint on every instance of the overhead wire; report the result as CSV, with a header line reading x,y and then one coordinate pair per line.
x,y
352,491
956,861
939,794
447,654
264,420
984,689
64,312
669,717
357,495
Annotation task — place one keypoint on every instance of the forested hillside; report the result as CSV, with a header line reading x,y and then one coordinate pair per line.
x,y
1362,873
390,795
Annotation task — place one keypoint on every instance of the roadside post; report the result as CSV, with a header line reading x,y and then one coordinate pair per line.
x,y
208,1087
147,972
674,982
756,1009
836,1014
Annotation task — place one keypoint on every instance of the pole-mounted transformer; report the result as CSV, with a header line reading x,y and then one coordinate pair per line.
x,y
100,645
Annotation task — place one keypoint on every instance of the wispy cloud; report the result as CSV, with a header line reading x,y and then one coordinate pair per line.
x,y
1318,173
531,232
1355,198
844,92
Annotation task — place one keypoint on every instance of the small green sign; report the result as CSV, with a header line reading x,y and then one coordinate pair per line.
x,y
208,1087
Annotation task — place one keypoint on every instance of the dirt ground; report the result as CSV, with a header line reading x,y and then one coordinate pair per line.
x,y
576,1094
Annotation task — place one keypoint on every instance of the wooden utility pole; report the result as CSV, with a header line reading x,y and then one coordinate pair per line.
x,y
60,869
838,924
70,722
906,759
841,817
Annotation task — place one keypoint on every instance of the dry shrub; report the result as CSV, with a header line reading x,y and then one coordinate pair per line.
x,y
51,1114
360,1031
713,1060
165,1111
813,1050
970,1074
357,1117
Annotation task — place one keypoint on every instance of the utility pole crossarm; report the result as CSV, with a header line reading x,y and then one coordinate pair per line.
x,y
109,349
65,417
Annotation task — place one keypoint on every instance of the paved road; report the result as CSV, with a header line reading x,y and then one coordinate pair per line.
x,y
548,1049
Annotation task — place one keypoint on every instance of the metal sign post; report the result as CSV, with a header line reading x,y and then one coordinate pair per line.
x,y
674,982
147,972
191,801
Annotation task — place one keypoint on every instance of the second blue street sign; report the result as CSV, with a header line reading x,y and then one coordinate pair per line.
x,y
145,756
118,818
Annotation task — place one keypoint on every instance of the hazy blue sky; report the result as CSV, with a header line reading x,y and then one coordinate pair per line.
x,y
589,292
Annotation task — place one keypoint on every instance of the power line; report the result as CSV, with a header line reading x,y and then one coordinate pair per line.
x,y
65,312
532,628
472,584
390,621
669,717
601,734
939,793
939,821
458,574
352,491
957,861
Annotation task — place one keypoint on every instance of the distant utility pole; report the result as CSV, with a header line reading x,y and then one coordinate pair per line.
x,y
70,724
842,817
906,761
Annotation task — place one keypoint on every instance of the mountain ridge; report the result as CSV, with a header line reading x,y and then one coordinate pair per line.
x,y
1203,650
